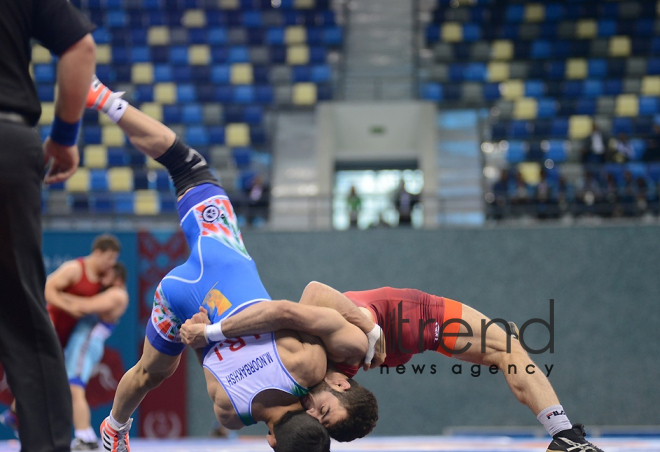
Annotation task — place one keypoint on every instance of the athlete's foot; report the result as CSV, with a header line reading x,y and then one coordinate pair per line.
x,y
100,97
572,441
115,440
8,419
80,444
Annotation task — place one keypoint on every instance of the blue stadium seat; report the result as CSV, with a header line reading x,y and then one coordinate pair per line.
x,y
101,203
141,180
597,68
559,128
140,54
613,87
243,94
102,35
585,107
653,66
515,13
471,32
556,151
516,152
123,203
475,72
179,55
333,36
168,203
117,157
654,172
253,114
432,91
639,147
44,73
607,27
321,73
648,105
264,94
555,70
541,50
220,74
217,36
534,88
162,181
143,93
98,180
242,157
171,114
79,203
163,73
186,93
191,114
622,125
196,136
547,108
91,135
491,91
520,129
592,88
216,135
238,54
46,93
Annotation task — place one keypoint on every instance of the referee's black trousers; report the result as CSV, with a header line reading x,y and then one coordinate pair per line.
x,y
29,349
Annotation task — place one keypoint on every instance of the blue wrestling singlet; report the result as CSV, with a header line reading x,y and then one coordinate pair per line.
x,y
85,349
219,274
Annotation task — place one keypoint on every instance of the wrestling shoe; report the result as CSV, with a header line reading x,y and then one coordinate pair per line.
x,y
8,419
115,440
80,444
100,97
572,441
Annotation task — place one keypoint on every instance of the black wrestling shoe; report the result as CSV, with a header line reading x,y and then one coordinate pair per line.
x,y
79,444
572,441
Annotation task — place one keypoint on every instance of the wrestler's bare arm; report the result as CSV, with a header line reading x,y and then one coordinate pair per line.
x,y
341,339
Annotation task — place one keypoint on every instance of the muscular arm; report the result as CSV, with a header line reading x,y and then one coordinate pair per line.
x,y
341,339
61,279
321,295
109,305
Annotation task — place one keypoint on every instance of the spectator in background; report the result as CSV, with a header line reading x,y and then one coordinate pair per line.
x,y
642,196
652,153
594,148
611,197
628,194
501,194
544,196
520,195
565,195
590,193
623,150
354,206
404,203
257,200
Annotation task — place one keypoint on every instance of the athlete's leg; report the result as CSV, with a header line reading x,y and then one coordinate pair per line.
x,y
533,390
149,372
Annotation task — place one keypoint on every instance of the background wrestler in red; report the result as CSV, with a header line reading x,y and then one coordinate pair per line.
x,y
79,277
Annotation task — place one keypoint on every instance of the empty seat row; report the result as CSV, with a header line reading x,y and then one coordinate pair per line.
x,y
197,18
330,35
175,5
508,48
574,127
543,12
571,69
622,105
516,89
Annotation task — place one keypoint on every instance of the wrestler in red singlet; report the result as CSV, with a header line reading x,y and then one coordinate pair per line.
x,y
63,322
392,307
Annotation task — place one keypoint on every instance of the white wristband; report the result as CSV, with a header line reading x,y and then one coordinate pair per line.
x,y
214,333
372,338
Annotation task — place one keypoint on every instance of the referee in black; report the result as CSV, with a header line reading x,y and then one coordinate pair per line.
x,y
29,350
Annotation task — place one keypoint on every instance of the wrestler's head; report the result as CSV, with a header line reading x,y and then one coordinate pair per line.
x,y
297,431
345,408
115,277
105,251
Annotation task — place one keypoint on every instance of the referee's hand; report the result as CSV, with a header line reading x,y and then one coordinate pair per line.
x,y
64,161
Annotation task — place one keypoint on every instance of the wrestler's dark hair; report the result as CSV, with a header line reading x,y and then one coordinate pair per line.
x,y
120,271
106,242
362,410
297,431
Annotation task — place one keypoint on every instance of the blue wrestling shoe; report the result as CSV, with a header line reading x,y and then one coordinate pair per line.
x,y
8,419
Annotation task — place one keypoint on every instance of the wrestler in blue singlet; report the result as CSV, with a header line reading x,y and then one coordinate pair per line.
x,y
219,274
